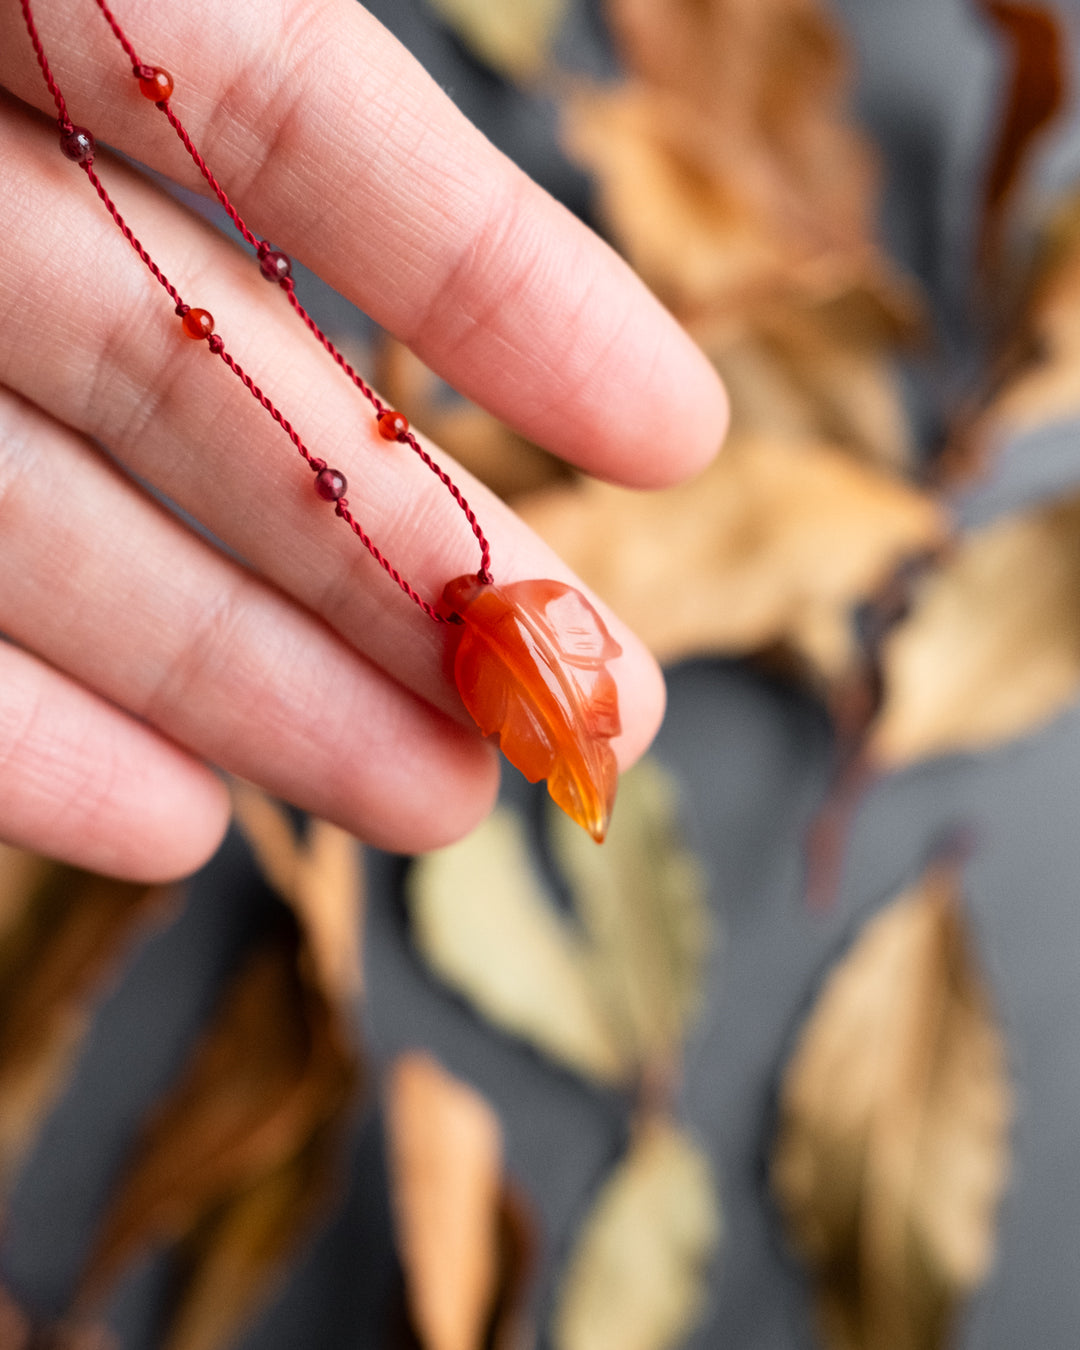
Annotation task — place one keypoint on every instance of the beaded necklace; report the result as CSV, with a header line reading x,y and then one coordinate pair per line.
x,y
531,657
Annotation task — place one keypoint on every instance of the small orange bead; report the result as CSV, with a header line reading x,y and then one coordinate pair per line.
x,y
197,324
157,85
392,425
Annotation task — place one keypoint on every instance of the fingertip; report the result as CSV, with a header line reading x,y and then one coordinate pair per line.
x,y
689,426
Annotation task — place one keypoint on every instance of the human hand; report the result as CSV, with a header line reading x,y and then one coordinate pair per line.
x,y
140,652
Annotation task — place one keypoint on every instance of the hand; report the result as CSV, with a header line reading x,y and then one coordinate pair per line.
x,y
139,652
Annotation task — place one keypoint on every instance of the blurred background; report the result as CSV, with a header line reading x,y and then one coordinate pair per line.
x,y
792,1060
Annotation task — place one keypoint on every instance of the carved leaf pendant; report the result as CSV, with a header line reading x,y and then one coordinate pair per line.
x,y
531,668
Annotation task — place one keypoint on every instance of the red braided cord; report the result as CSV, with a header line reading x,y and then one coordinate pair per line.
x,y
126,231
39,52
216,343
294,300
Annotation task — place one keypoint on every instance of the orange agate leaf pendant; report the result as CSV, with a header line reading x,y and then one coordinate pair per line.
x,y
531,668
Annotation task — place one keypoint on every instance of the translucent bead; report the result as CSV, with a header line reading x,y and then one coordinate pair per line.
x,y
155,84
274,265
77,144
393,426
197,324
330,485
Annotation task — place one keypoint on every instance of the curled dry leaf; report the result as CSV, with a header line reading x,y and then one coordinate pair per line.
x,y
1038,79
775,543
513,36
319,876
463,1248
607,992
61,933
637,1277
892,1146
254,1118
725,166
1039,378
991,648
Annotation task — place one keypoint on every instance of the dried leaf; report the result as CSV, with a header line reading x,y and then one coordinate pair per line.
x,y
450,1207
255,1113
61,933
319,876
531,667
19,1331
725,166
637,1278
238,1249
1037,382
813,374
483,922
14,1323
608,992
991,648
776,542
1037,93
513,36
892,1149
641,901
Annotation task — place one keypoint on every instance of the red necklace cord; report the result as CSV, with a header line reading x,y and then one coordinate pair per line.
x,y
78,144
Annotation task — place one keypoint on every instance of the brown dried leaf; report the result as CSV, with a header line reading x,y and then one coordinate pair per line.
x,y
892,1149
1037,91
725,166
1039,379
637,1278
610,994
776,542
450,1206
814,375
237,1251
14,1323
320,876
256,1110
991,648
19,1331
62,931
513,36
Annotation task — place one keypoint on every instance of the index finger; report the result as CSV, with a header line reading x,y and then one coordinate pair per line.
x,y
335,143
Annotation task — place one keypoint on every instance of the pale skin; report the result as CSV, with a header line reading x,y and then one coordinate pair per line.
x,y
140,659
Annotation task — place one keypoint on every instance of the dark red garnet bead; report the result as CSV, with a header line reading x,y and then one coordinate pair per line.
x,y
393,426
155,84
78,145
330,485
274,265
197,324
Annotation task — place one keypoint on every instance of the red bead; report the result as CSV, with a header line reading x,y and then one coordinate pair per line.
x,y
330,485
77,144
197,324
274,265
393,426
155,84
